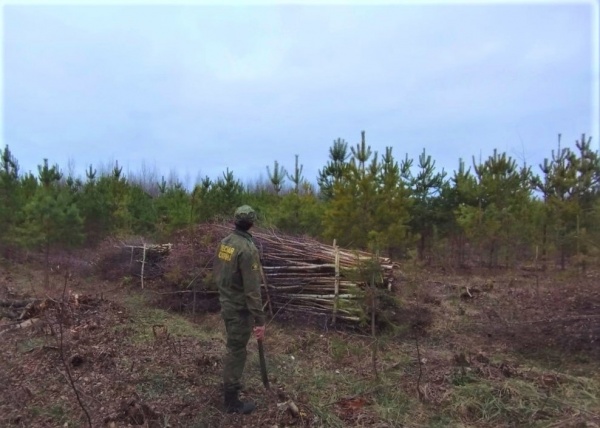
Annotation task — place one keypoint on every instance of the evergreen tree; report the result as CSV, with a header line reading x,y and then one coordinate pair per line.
x,y
200,205
224,195
458,193
94,208
570,188
173,208
495,223
90,173
116,190
351,206
10,196
50,218
369,204
28,184
559,176
143,213
425,212
297,177
361,153
277,177
105,204
291,213
299,214
334,170
392,207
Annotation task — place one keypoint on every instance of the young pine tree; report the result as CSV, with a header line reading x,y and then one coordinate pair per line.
x,y
50,219
10,196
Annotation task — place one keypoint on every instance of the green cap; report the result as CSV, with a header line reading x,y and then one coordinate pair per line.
x,y
245,213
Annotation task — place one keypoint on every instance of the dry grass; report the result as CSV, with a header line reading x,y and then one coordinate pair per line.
x,y
481,363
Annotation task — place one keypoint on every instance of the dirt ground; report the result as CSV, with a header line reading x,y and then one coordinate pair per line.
x,y
109,354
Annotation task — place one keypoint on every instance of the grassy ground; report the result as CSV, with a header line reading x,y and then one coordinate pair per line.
x,y
476,350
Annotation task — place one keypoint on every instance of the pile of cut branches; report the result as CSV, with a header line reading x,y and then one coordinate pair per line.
x,y
133,257
20,313
305,275
300,273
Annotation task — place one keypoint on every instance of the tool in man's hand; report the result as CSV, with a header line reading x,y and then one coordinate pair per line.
x,y
263,364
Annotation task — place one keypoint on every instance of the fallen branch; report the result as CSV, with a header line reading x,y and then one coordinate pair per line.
x,y
184,292
10,303
27,323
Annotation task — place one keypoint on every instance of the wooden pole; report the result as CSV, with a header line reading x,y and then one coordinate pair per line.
x,y
373,329
143,263
337,282
264,280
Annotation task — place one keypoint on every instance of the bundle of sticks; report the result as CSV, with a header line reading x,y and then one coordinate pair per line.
x,y
304,275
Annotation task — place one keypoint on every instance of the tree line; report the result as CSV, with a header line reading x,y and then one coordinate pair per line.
x,y
492,212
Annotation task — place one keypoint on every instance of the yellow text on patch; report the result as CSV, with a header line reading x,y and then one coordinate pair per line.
x,y
225,252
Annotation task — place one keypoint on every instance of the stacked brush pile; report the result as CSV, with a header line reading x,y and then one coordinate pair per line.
x,y
300,274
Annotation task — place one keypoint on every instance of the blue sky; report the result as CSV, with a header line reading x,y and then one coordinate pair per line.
x,y
197,89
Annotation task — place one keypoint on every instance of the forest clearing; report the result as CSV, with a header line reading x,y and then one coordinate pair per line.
x,y
472,348
410,191
396,296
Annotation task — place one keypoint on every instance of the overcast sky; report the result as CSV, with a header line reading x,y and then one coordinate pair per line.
x,y
199,89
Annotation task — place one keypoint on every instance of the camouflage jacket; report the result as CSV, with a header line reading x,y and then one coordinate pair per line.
x,y
237,273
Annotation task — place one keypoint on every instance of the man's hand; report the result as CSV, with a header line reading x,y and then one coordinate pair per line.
x,y
259,332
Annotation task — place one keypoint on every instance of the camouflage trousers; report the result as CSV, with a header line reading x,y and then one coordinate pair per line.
x,y
239,329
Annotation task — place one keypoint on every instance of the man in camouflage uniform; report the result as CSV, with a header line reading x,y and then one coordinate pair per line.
x,y
237,273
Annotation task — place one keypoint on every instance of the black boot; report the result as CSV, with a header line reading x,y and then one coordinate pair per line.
x,y
234,405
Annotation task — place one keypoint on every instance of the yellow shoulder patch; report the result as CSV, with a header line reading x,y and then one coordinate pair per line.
x,y
254,266
226,252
